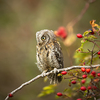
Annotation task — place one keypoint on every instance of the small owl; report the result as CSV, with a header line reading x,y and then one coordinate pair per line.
x,y
49,55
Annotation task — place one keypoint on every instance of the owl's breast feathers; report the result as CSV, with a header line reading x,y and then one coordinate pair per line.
x,y
49,56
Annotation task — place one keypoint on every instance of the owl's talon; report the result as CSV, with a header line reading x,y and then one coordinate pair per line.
x,y
55,70
58,71
43,73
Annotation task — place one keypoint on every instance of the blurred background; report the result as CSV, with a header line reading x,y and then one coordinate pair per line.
x,y
19,22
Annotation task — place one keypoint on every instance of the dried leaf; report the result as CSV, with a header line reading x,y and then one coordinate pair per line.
x,y
93,23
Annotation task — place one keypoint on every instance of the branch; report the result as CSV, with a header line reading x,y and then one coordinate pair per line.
x,y
46,74
80,15
73,22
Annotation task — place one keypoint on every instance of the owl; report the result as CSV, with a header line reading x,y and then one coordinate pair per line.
x,y
49,54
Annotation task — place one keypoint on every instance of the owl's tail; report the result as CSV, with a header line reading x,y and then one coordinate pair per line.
x,y
55,78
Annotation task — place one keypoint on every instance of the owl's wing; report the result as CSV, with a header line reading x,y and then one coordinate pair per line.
x,y
58,54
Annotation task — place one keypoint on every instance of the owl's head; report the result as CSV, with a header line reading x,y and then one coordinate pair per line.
x,y
45,36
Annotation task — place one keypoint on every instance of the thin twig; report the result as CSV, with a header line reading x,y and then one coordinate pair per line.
x,y
93,43
78,18
46,74
92,54
77,77
73,22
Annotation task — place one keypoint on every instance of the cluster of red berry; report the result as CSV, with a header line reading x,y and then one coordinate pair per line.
x,y
84,76
93,73
61,32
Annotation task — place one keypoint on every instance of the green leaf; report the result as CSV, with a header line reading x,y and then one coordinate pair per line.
x,y
86,32
65,90
88,80
42,94
49,87
47,90
91,77
79,57
91,37
50,91
57,97
85,93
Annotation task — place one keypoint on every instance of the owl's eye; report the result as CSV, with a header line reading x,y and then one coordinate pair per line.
x,y
43,38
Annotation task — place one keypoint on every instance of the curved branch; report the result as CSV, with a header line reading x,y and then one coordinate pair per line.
x,y
78,18
46,74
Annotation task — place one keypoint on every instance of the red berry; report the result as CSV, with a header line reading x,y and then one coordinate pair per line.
x,y
83,81
94,87
79,50
92,32
83,63
79,99
98,74
98,52
83,69
84,76
89,87
63,72
93,73
88,70
59,94
83,88
62,32
73,82
79,36
10,95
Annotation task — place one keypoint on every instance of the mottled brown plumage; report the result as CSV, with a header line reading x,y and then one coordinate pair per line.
x,y
49,55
